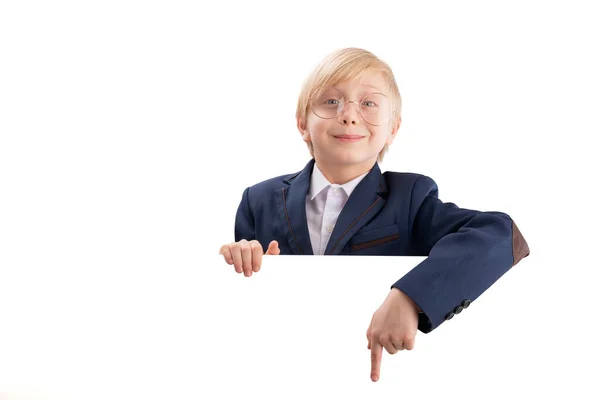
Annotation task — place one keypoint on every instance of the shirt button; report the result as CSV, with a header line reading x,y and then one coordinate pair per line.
x,y
330,229
335,191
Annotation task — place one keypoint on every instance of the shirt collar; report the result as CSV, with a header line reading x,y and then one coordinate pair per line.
x,y
318,182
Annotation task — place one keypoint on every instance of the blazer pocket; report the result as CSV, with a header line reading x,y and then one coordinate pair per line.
x,y
375,237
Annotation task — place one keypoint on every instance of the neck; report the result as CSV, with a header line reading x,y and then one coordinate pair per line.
x,y
341,174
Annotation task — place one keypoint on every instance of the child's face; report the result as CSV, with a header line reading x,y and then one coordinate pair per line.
x,y
347,136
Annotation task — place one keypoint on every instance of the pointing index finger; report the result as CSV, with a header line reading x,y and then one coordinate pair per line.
x,y
376,351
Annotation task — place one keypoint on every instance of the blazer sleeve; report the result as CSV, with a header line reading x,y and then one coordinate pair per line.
x,y
467,251
244,220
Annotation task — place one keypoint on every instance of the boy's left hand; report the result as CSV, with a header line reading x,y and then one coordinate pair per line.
x,y
393,327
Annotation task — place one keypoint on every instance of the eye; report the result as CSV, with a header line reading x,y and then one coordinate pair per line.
x,y
331,101
369,103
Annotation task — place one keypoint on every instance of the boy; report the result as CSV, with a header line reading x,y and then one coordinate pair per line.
x,y
348,114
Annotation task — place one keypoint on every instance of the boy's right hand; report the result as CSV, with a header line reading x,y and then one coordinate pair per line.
x,y
246,256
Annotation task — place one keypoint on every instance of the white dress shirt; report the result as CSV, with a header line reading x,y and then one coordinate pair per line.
x,y
324,202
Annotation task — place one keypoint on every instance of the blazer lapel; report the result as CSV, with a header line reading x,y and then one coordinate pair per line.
x,y
291,210
364,203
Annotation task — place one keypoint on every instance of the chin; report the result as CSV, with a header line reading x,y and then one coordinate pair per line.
x,y
346,157
350,159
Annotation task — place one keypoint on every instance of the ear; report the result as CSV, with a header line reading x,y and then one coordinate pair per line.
x,y
302,129
394,130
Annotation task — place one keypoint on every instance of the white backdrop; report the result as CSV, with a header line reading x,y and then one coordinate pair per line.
x,y
128,131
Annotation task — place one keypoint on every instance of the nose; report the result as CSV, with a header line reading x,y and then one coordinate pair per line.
x,y
349,114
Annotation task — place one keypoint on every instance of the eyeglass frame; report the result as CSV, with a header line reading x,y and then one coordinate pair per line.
x,y
351,101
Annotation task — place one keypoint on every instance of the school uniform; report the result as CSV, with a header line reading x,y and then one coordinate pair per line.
x,y
388,214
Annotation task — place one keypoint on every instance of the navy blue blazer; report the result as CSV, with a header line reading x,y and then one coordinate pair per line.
x,y
394,214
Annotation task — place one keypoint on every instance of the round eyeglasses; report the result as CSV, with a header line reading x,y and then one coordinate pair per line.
x,y
374,108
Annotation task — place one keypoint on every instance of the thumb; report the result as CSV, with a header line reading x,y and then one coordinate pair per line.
x,y
273,248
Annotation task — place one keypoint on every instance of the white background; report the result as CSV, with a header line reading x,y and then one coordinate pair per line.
x,y
128,131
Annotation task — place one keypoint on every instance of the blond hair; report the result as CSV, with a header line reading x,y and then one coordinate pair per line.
x,y
342,65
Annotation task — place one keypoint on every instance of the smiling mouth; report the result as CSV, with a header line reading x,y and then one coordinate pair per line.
x,y
349,138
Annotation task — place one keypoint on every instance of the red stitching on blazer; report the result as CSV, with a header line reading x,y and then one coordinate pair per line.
x,y
289,222
354,222
375,242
